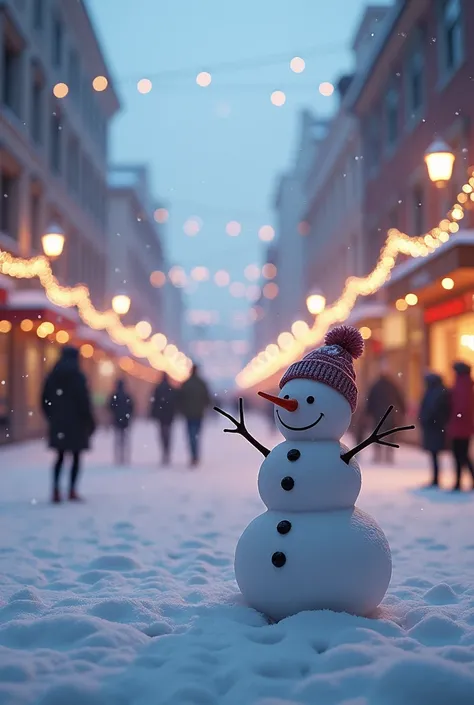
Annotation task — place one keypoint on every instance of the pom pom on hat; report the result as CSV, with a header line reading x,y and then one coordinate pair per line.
x,y
348,338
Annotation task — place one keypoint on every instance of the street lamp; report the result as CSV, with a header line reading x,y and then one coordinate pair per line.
x,y
439,160
316,302
121,304
53,241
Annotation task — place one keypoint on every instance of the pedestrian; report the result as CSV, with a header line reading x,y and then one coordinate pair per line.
x,y
461,421
194,400
67,407
434,416
383,393
163,410
121,408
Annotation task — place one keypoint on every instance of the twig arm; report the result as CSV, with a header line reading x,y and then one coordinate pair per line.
x,y
376,437
241,429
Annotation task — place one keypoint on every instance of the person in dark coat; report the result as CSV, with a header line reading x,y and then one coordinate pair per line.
x,y
461,421
163,409
194,400
121,407
434,417
384,393
66,404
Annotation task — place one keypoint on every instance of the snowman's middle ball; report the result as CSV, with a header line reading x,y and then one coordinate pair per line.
x,y
323,414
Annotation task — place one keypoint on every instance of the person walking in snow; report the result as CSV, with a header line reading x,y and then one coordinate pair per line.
x,y
434,416
163,411
66,404
384,392
194,401
461,421
121,407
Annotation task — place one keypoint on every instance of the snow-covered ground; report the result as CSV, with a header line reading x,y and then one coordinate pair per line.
x,y
130,598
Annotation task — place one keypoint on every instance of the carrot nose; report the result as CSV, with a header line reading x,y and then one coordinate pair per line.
x,y
288,404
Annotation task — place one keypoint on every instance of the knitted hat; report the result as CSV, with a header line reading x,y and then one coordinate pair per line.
x,y
332,364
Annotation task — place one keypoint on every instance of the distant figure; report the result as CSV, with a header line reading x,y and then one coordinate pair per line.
x,y
434,417
384,393
163,410
67,407
121,407
461,421
194,400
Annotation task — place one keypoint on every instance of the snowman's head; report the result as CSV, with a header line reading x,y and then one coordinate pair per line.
x,y
310,411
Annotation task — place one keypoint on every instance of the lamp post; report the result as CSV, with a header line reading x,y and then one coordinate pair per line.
x,y
53,241
121,304
439,159
316,302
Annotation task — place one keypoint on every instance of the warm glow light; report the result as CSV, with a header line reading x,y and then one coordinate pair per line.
x,y
200,274
253,292
316,303
439,161
143,329
269,271
157,279
161,215
270,290
177,276
144,85
61,90
467,341
237,289
300,329
411,299
159,341
233,228
401,305
192,226
106,368
5,326
285,340
365,332
62,337
447,283
26,325
100,83
266,233
121,304
252,272
297,64
278,98
326,89
170,350
46,328
204,79
222,278
53,241
86,350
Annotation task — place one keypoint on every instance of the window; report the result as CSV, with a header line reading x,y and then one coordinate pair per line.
x,y
452,49
55,143
415,93
9,206
57,42
391,117
37,107
36,222
372,143
73,165
38,14
418,211
12,75
74,74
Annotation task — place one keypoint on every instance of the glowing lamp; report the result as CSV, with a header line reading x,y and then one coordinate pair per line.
x,y
53,241
316,302
439,160
121,304
447,283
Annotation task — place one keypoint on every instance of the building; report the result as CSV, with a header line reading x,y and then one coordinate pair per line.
x,y
416,87
53,157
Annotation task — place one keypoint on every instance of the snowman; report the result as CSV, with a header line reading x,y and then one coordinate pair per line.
x,y
313,549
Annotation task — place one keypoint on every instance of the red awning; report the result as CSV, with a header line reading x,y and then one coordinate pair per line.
x,y
35,306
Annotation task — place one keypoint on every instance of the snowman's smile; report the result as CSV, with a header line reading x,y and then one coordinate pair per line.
x,y
299,428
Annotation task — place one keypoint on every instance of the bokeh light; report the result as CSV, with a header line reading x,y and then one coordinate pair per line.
x,y
297,64
157,279
192,226
26,325
269,271
161,215
233,228
61,90
285,340
144,86
365,332
300,329
270,290
411,299
252,272
266,233
177,276
278,98
86,350
326,89
204,79
62,337
143,329
159,341
237,289
200,274
253,292
100,84
222,278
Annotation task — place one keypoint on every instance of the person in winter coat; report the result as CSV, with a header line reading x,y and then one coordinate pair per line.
x,y
121,408
461,421
66,404
384,393
163,410
434,417
194,400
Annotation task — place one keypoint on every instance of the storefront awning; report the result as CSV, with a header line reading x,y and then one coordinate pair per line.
x,y
423,275
35,305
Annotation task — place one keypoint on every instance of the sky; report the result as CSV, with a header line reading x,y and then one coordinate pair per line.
x,y
217,152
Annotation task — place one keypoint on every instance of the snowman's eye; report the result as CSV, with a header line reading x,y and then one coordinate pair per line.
x,y
287,396
310,400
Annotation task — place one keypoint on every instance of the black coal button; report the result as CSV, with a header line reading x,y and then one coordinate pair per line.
x,y
288,483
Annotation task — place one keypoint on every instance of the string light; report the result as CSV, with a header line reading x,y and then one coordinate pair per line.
x,y
263,366
60,90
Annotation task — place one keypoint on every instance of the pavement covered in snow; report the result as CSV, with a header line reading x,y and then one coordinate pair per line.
x,y
130,599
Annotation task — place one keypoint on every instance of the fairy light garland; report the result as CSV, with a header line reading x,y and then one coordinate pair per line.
x,y
275,356
175,363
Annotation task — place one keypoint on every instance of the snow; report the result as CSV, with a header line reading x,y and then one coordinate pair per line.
x,y
131,598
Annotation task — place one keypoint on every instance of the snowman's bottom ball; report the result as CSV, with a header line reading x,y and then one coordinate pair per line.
x,y
288,562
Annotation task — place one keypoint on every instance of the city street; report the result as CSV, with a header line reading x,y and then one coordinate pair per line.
x,y
131,598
